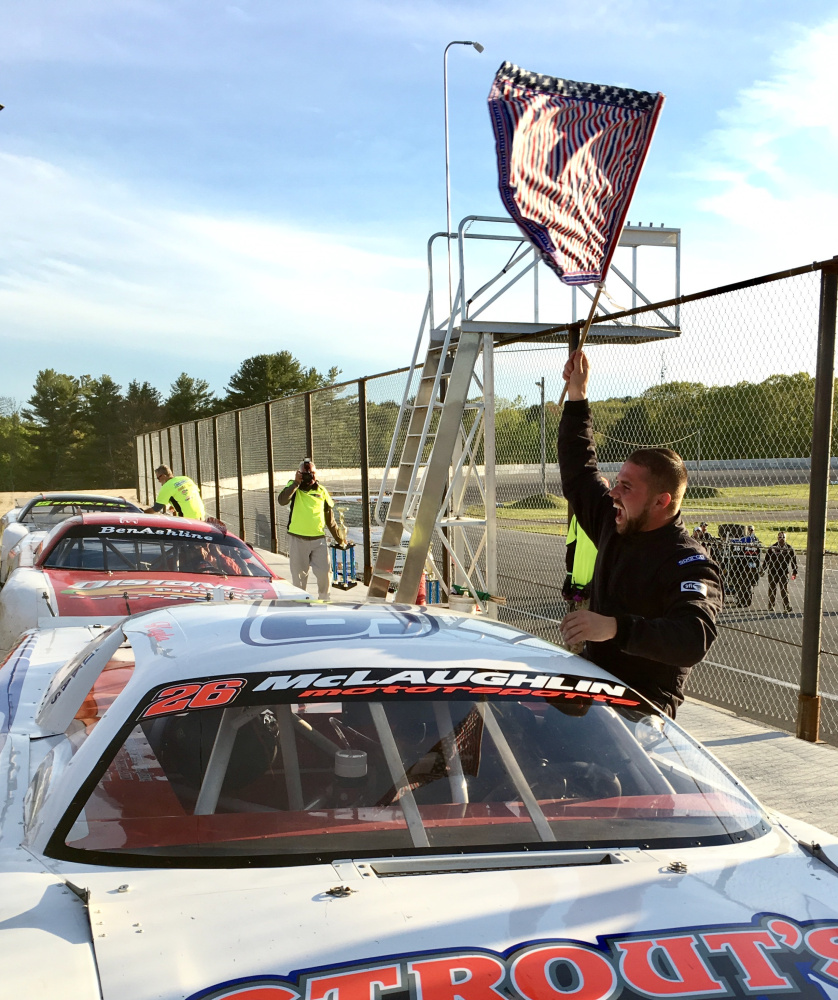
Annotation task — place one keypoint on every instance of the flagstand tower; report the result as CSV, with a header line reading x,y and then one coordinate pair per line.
x,y
446,419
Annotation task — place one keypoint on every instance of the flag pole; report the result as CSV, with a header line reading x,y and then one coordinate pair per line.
x,y
584,336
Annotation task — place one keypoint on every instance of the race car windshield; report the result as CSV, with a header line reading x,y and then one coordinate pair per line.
x,y
125,550
208,775
46,513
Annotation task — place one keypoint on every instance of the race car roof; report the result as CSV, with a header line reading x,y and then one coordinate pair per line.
x,y
145,520
209,640
56,499
129,521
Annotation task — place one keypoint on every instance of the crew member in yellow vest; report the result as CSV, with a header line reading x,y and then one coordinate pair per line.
x,y
580,559
179,492
312,511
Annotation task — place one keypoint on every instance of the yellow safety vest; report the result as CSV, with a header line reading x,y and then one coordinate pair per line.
x,y
183,495
307,517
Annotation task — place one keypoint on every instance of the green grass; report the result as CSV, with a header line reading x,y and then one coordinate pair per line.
x,y
540,501
733,504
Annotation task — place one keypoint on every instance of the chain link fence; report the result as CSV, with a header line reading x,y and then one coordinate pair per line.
x,y
732,390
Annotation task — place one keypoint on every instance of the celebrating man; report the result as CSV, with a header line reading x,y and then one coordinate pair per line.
x,y
655,592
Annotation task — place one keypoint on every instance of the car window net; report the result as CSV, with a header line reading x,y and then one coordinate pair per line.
x,y
292,780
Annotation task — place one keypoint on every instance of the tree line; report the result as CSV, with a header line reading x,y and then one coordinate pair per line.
x,y
768,419
79,432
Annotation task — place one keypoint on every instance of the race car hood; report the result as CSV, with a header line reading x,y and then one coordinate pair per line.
x,y
40,916
87,593
751,919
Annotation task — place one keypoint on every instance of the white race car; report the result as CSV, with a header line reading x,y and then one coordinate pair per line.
x,y
376,802
41,513
97,566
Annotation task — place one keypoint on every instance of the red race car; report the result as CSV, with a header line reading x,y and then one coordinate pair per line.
x,y
105,565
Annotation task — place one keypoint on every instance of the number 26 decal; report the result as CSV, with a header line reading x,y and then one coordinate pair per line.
x,y
187,696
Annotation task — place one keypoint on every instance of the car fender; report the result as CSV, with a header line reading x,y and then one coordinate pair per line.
x,y
21,602
10,538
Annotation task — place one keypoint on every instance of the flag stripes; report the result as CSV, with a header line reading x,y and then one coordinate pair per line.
x,y
569,157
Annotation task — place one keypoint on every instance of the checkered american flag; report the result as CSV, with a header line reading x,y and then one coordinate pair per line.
x,y
569,157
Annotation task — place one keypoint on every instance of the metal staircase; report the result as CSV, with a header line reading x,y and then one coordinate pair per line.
x,y
427,498
447,417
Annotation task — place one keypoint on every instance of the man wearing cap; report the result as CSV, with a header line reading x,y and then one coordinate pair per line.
x,y
312,511
703,536
179,492
779,559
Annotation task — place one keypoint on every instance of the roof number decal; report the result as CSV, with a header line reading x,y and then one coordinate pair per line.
x,y
185,697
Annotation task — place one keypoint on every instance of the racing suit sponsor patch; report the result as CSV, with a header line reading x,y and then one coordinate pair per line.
x,y
698,557
694,585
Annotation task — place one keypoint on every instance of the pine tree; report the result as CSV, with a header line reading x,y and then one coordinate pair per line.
x,y
189,399
101,458
270,376
14,448
55,426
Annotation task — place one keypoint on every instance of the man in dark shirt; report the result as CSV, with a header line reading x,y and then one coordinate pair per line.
x,y
655,592
779,559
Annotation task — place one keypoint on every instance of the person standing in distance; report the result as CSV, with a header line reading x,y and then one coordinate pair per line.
x,y
779,559
312,511
703,536
655,593
178,491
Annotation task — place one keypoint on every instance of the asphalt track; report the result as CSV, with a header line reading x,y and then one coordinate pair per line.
x,y
754,665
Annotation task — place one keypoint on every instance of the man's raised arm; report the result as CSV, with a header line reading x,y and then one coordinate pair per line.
x,y
581,480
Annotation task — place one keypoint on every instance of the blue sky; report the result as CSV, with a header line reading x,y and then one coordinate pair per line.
x,y
186,183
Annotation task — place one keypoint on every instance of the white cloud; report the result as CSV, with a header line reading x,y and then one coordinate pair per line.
x,y
771,164
90,261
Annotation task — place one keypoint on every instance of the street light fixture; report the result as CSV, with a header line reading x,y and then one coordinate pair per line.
x,y
479,48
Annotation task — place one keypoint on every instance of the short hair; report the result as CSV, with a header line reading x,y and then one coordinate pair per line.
x,y
667,472
305,462
163,470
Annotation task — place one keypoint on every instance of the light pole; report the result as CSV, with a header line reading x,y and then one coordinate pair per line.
x,y
479,48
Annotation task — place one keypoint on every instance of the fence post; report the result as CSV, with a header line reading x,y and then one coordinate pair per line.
x,y
489,470
160,446
151,481
149,471
309,434
365,479
239,477
269,440
215,467
170,460
182,450
808,707
198,476
139,479
574,335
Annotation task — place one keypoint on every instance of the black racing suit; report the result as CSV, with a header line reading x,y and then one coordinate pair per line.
x,y
661,586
